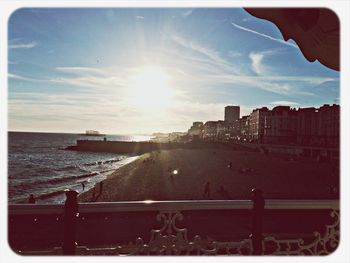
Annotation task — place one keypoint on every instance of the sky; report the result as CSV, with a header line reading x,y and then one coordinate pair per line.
x,y
137,71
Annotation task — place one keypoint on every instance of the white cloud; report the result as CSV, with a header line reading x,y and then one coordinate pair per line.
x,y
279,85
256,59
96,78
18,77
215,70
247,19
234,54
23,45
212,69
78,112
14,76
82,70
214,56
83,110
306,79
284,102
187,13
111,114
99,83
104,101
140,17
281,41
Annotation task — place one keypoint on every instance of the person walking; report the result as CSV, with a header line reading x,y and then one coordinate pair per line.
x,y
206,192
101,187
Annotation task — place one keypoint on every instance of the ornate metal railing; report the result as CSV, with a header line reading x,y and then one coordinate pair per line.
x,y
169,238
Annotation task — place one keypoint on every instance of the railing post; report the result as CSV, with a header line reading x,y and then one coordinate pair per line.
x,y
70,220
257,220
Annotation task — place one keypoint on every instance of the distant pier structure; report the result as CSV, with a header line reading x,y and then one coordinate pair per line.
x,y
92,133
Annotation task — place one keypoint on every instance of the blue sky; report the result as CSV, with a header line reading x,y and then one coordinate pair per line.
x,y
70,70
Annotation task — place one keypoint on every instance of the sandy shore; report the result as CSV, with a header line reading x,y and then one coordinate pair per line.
x,y
182,174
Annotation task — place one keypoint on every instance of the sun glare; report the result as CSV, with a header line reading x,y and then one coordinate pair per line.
x,y
150,87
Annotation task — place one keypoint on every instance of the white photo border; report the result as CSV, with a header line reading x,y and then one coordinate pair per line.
x,y
340,7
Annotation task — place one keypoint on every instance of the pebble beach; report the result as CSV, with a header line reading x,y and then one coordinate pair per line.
x,y
182,174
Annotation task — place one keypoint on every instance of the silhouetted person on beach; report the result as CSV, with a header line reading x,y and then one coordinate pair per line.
x,y
31,199
83,185
101,187
229,165
206,192
105,139
93,194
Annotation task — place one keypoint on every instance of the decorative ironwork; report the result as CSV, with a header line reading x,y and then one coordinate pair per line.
x,y
321,245
172,240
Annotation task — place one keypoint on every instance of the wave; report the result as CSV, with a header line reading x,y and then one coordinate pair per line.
x,y
103,162
56,180
71,178
81,166
43,176
67,168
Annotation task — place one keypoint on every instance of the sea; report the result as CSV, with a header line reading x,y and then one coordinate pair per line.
x,y
38,164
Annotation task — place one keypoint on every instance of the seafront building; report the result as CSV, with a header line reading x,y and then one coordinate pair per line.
x,y
257,124
308,127
210,130
329,124
196,130
280,125
223,130
231,113
243,126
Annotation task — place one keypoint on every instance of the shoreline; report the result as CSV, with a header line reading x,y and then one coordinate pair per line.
x,y
57,195
122,163
181,174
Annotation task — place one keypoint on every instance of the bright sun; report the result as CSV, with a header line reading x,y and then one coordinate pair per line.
x,y
150,87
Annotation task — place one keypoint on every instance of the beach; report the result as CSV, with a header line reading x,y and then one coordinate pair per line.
x,y
182,174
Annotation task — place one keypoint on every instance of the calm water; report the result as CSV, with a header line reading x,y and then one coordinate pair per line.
x,y
37,164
